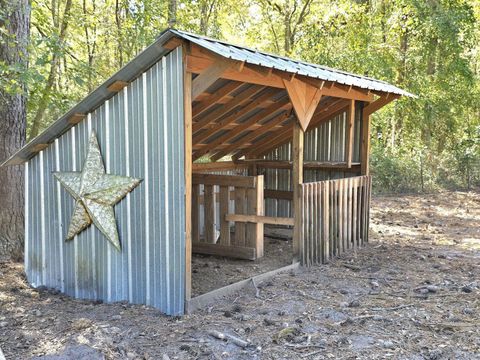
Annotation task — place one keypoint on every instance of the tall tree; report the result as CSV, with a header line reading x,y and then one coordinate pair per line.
x,y
61,33
14,32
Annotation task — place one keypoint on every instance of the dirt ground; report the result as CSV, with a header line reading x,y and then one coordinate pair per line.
x,y
213,272
412,293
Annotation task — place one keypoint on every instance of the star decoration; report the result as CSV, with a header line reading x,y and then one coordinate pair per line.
x,y
95,194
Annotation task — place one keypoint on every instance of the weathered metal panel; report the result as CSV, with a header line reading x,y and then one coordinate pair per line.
x,y
140,134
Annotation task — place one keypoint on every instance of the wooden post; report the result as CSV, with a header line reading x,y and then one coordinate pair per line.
x,y
187,118
297,158
365,143
349,133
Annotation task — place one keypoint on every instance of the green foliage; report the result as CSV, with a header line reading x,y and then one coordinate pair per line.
x,y
429,47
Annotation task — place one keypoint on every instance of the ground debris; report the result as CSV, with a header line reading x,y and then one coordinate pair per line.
x,y
306,316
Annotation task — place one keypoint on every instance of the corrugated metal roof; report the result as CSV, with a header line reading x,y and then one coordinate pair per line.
x,y
151,54
255,57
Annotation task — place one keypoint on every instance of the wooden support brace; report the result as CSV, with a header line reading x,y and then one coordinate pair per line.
x,y
349,134
304,98
117,86
76,118
260,219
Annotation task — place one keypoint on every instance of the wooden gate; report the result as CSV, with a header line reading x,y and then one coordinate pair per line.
x,y
335,217
230,206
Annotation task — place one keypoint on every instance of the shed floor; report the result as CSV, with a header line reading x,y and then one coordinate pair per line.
x,y
213,272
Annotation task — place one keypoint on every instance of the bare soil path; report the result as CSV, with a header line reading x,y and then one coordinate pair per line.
x,y
412,293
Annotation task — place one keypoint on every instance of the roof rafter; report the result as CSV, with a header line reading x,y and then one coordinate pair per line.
x,y
277,120
214,127
216,114
239,128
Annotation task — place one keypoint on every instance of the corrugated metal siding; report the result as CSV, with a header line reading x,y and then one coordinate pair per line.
x,y
323,143
140,132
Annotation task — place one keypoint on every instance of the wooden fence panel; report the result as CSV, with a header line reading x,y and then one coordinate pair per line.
x,y
335,217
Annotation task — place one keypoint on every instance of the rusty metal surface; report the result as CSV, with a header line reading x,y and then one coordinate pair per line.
x,y
95,194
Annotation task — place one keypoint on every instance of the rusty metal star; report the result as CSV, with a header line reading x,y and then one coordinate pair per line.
x,y
95,194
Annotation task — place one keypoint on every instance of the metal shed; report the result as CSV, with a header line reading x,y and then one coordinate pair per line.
x,y
217,134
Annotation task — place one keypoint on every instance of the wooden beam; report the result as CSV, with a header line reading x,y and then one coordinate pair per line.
x,y
214,98
260,70
117,86
222,165
259,219
39,147
285,164
76,118
379,103
227,180
338,90
304,98
297,179
187,121
197,64
215,127
253,135
284,135
203,81
240,99
349,133
173,43
278,194
239,128
365,152
238,252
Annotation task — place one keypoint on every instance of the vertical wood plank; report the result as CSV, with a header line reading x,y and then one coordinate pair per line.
x,y
332,209
340,218
355,211
250,228
224,200
240,203
209,213
345,214
365,152
187,119
259,210
195,213
319,238
368,204
348,183
349,133
326,217
297,158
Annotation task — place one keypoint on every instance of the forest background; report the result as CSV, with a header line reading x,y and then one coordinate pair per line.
x,y
429,47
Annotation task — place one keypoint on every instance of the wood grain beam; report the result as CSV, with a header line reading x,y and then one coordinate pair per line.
x,y
304,98
253,135
283,135
219,126
214,98
349,133
379,103
239,100
211,74
278,106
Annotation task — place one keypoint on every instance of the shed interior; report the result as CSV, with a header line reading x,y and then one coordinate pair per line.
x,y
246,130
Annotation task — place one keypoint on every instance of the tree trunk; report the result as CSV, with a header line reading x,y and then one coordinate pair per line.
x,y
172,13
42,106
13,52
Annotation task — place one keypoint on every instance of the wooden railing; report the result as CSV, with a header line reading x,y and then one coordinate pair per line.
x,y
335,217
236,196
